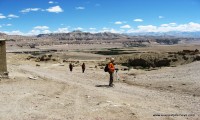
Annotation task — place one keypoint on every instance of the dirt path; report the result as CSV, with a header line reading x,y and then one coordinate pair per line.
x,y
58,94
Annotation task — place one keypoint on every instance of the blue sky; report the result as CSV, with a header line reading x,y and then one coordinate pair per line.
x,y
31,17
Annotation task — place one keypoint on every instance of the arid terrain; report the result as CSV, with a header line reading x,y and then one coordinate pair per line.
x,y
44,89
99,60
158,78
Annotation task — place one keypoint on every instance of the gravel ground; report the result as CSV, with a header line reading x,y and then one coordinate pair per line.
x,y
51,92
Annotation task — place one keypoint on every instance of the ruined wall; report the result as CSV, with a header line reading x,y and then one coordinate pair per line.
x,y
3,65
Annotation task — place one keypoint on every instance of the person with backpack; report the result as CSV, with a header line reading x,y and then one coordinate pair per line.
x,y
71,67
83,67
111,69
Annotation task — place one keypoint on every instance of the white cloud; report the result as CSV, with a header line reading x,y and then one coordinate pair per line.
x,y
118,22
2,16
147,28
55,9
0,26
30,10
126,26
51,2
164,25
116,31
111,30
15,32
79,28
34,32
8,25
189,27
37,32
35,9
62,30
138,20
92,28
160,17
168,25
105,28
13,16
46,31
41,27
80,8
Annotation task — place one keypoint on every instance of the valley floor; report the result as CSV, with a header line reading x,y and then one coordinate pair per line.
x,y
51,92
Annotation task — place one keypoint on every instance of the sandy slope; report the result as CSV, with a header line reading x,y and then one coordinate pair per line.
x,y
58,94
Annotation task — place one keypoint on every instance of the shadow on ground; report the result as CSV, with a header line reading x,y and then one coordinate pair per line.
x,y
102,86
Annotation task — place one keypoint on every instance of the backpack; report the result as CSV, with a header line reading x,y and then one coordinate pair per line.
x,y
106,68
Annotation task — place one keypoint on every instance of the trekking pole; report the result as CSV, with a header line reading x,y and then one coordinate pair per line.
x,y
117,73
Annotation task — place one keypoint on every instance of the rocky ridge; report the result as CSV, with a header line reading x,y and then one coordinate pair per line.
x,y
79,35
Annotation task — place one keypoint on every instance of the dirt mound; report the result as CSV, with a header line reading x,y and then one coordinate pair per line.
x,y
41,58
156,59
149,63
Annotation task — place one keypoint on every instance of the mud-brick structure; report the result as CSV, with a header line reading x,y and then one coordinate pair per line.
x,y
3,64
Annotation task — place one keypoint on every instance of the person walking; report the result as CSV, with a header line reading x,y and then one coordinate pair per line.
x,y
71,67
83,67
111,69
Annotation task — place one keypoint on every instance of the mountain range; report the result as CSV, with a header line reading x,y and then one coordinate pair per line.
x,y
172,34
79,35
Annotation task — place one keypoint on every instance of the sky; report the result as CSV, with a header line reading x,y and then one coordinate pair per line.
x,y
33,17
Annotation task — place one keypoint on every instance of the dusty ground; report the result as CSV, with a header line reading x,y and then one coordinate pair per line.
x,y
55,93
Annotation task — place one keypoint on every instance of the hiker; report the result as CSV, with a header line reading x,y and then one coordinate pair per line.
x,y
83,67
111,69
71,67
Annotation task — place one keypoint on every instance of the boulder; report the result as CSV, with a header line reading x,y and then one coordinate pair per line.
x,y
30,57
174,59
196,51
185,57
197,57
45,58
42,58
65,60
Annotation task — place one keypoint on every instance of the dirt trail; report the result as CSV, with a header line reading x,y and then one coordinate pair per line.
x,y
121,102
58,94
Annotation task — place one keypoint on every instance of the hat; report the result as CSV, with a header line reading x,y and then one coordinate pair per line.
x,y
112,59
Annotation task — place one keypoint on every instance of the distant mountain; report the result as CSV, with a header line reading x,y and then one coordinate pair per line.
x,y
79,35
2,34
169,34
